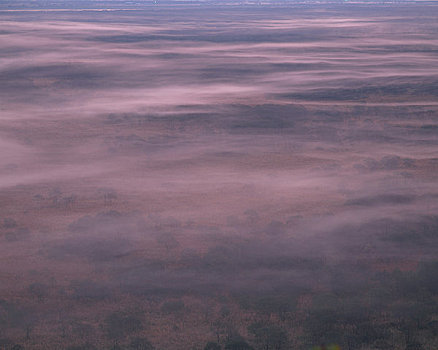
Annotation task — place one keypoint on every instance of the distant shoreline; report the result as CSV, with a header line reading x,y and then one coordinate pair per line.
x,y
25,7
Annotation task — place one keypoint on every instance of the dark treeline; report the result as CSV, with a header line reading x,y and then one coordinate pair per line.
x,y
259,293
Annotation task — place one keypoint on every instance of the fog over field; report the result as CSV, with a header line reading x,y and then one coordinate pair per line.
x,y
210,176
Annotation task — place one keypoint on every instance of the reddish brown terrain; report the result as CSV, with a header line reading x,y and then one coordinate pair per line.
x,y
218,177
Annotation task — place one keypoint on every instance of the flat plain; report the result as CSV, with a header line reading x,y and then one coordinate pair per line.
x,y
250,176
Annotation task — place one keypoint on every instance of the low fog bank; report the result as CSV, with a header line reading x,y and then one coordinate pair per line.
x,y
173,178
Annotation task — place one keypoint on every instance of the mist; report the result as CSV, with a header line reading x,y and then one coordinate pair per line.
x,y
218,177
